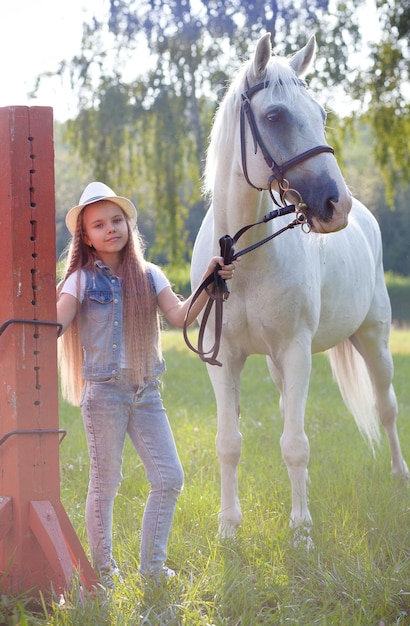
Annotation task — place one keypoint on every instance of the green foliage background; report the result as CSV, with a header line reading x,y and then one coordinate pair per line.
x,y
150,74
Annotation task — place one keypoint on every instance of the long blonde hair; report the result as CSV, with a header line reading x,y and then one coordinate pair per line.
x,y
140,316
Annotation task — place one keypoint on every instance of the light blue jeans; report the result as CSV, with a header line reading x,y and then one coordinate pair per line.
x,y
110,410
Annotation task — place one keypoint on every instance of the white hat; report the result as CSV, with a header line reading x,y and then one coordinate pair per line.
x,y
93,193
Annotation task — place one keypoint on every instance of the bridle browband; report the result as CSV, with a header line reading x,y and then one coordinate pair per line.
x,y
278,171
227,243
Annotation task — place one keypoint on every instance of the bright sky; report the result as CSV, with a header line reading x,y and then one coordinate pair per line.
x,y
36,34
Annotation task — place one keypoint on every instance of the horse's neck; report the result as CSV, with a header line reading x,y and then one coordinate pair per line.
x,y
237,205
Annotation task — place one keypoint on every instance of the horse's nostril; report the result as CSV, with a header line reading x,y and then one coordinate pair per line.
x,y
329,209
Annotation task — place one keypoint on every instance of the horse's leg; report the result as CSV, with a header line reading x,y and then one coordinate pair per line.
x,y
372,344
277,379
292,378
225,382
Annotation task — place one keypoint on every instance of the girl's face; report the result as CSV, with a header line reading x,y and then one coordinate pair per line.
x,y
105,228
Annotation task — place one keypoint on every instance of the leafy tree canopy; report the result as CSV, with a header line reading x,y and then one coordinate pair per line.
x,y
386,86
151,72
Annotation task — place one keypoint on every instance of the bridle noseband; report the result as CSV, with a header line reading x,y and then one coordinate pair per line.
x,y
278,171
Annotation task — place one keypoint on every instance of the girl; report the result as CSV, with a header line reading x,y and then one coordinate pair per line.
x,y
110,359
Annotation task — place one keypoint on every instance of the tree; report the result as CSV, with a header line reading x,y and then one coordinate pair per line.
x,y
366,184
150,75
386,86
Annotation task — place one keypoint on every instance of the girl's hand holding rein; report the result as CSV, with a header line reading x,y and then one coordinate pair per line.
x,y
226,271
175,310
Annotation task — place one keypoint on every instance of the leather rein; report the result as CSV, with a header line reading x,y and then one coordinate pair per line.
x,y
215,286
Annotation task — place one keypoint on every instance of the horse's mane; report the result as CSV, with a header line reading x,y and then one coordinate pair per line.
x,y
283,82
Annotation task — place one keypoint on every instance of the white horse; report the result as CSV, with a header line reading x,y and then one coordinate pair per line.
x,y
301,293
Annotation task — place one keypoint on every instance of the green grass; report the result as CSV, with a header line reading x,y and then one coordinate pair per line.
x,y
358,573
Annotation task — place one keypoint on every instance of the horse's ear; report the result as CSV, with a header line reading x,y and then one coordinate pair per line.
x,y
302,60
262,56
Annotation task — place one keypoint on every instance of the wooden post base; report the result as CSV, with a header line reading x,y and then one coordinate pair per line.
x,y
39,549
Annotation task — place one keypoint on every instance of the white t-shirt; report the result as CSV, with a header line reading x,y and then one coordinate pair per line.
x,y
70,286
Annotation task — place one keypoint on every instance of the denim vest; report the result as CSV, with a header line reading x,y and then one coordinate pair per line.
x,y
101,326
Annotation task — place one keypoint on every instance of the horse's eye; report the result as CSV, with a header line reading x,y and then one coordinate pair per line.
x,y
274,114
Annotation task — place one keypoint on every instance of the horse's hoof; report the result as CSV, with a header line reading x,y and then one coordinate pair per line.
x,y
401,472
226,531
302,538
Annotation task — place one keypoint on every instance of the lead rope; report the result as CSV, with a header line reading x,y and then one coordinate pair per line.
x,y
216,287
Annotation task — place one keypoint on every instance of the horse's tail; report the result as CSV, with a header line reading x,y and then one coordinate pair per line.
x,y
351,374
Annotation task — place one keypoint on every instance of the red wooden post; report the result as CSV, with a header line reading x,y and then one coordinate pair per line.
x,y
39,549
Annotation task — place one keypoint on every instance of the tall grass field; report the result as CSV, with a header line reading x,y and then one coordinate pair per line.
x,y
357,573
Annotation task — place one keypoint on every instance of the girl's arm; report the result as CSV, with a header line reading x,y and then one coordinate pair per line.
x,y
175,309
66,309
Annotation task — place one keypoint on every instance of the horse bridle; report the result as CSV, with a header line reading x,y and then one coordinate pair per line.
x,y
278,171
227,243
